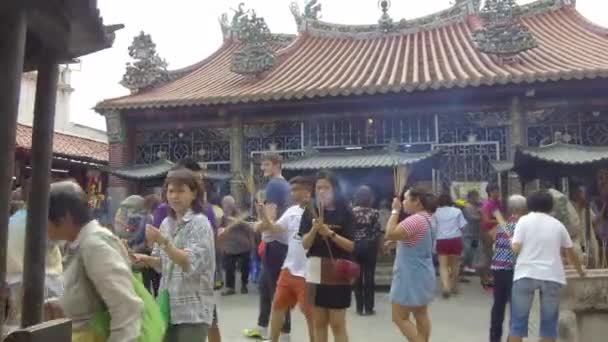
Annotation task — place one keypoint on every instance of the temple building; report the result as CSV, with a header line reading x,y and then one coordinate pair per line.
x,y
461,88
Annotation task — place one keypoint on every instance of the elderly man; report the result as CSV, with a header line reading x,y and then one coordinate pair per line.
x,y
97,271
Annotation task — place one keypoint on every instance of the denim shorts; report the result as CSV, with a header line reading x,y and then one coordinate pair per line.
x,y
521,303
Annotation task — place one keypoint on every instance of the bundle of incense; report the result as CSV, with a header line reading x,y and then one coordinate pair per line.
x,y
398,179
317,213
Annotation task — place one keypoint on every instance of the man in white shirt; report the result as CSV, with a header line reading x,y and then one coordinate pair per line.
x,y
538,240
291,285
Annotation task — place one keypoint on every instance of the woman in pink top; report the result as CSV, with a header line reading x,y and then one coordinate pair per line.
x,y
488,223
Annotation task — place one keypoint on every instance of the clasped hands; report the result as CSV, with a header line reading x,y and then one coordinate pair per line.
x,y
321,228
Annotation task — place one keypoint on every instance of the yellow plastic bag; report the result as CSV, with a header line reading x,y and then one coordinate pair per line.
x,y
86,336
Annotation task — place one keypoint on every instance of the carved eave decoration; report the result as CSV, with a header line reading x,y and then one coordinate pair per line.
x,y
148,70
541,6
256,56
503,36
386,25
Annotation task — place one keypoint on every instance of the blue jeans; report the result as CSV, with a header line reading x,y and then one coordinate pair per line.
x,y
521,303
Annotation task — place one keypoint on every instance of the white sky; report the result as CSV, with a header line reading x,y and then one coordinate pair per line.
x,y
186,31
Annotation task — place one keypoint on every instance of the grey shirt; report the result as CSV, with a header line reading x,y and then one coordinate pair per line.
x,y
472,214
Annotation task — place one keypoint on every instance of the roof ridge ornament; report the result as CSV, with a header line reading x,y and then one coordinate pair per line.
x,y
148,69
503,35
256,56
385,24
472,6
312,8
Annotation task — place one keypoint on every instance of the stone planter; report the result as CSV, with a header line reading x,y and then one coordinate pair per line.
x,y
584,307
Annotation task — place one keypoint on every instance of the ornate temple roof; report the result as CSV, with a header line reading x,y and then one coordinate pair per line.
x,y
68,146
430,53
356,160
160,170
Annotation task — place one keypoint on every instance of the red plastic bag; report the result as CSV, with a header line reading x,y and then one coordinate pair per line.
x,y
261,249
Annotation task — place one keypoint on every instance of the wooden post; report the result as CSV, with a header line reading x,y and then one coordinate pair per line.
x,y
38,206
13,30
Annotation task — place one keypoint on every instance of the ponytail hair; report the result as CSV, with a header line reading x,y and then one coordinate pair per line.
x,y
427,199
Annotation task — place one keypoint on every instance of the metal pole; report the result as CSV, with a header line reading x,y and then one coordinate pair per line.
x,y
12,49
38,206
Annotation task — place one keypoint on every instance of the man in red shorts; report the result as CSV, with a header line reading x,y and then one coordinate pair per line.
x,y
291,286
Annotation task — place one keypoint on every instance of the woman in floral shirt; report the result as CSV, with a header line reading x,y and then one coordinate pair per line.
x,y
503,263
184,252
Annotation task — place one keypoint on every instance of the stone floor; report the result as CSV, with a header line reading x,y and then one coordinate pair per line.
x,y
461,319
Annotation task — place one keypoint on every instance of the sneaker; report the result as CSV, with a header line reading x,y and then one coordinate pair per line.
x,y
244,290
445,294
284,338
228,292
468,270
257,332
370,313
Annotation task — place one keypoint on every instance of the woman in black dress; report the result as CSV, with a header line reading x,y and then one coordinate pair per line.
x,y
329,294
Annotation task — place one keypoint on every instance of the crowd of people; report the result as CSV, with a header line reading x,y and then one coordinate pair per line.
x,y
316,248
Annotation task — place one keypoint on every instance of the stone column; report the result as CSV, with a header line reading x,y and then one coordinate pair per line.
x,y
119,156
237,151
13,28
518,138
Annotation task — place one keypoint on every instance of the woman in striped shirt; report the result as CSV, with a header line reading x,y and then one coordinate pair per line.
x,y
413,285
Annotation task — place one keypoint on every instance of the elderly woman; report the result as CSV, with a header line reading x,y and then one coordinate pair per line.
x,y
236,241
97,274
503,262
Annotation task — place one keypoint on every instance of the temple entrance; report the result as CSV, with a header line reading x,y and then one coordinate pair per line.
x,y
466,162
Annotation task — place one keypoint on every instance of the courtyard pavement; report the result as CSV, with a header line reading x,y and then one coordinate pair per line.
x,y
464,318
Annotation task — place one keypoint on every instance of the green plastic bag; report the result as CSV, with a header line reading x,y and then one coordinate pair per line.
x,y
165,307
153,325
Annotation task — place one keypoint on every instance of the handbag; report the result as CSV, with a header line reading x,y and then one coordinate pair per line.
x,y
344,269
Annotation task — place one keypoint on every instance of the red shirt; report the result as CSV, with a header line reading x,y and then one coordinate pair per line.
x,y
488,208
